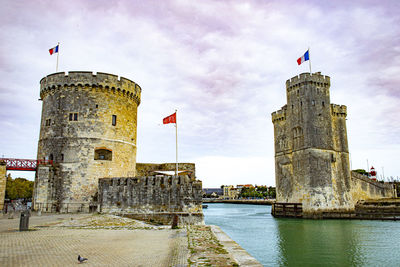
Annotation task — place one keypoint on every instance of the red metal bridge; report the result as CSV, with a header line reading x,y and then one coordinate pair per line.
x,y
24,164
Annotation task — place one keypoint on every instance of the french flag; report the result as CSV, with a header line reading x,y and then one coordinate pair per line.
x,y
305,57
53,50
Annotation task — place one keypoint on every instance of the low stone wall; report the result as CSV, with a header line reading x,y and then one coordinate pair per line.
x,y
154,198
363,188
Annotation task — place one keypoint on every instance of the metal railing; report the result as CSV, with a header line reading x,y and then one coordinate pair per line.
x,y
24,164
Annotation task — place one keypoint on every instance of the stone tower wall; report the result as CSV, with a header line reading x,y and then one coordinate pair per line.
x,y
311,152
3,181
88,128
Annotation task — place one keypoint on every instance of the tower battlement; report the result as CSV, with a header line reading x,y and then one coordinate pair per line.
x,y
306,78
339,110
279,115
87,79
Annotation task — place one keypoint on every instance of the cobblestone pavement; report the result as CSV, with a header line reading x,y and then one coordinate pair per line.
x,y
56,240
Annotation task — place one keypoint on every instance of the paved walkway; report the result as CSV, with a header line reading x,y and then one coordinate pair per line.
x,y
52,243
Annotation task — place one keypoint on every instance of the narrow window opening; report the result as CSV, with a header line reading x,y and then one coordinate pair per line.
x,y
73,116
323,103
114,120
97,106
313,102
48,122
102,154
51,157
62,157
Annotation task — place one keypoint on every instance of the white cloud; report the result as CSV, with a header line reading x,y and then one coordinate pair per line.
x,y
222,64
215,171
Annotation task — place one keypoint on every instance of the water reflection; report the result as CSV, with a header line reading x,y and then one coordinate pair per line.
x,y
318,243
294,242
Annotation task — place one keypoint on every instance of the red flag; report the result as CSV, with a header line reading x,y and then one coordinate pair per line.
x,y
170,119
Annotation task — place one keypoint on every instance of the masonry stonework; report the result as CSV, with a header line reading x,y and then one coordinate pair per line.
x,y
363,188
148,169
3,181
88,127
311,149
156,198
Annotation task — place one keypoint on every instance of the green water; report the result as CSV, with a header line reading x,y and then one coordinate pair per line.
x,y
296,242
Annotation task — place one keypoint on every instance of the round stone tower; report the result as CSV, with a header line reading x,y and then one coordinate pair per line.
x,y
88,128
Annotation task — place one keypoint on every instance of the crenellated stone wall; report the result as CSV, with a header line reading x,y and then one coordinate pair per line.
x,y
147,169
155,198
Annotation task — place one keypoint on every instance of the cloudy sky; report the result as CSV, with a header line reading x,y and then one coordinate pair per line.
x,y
222,64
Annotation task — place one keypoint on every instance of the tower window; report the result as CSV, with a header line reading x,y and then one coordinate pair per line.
x,y
62,157
114,120
48,122
102,154
73,116
323,103
97,106
313,102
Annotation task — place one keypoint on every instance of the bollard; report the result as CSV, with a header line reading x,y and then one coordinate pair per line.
x,y
24,221
175,222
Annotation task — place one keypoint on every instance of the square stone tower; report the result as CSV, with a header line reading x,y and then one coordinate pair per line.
x,y
311,151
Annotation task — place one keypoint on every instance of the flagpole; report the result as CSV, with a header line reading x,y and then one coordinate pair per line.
x,y
176,135
309,59
58,52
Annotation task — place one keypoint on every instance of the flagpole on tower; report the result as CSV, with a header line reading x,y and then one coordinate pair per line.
x,y
176,135
309,59
58,53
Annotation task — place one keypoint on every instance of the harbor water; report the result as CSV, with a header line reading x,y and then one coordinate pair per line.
x,y
301,242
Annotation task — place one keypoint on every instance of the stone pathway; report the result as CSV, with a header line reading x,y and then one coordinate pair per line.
x,y
107,240
58,243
